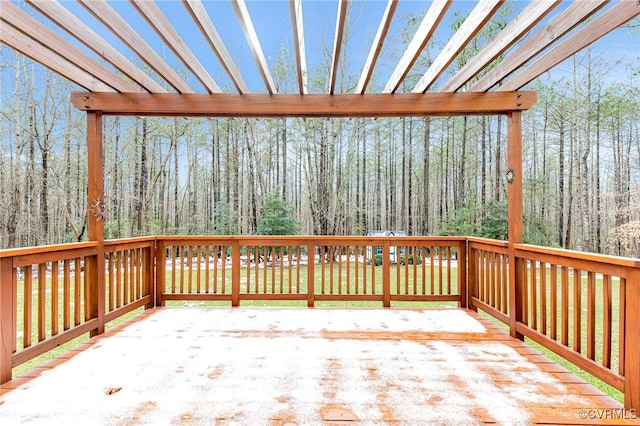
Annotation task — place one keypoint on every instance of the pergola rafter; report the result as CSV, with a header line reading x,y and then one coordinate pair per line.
x,y
129,36
538,29
469,28
59,14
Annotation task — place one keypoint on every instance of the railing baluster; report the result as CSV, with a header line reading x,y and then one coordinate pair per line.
x,y
607,320
501,300
289,269
223,273
120,268
216,259
505,283
423,269
183,249
207,256
54,297
274,253
174,262
190,269
432,270
42,301
111,279
28,303
398,269
543,298
525,291
622,328
77,292
591,316
448,270
553,271
67,295
577,310
440,273
564,311
198,271
348,265
125,276
534,294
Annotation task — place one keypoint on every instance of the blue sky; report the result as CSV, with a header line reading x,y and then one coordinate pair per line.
x,y
272,24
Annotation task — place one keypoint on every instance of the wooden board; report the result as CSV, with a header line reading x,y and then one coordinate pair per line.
x,y
301,366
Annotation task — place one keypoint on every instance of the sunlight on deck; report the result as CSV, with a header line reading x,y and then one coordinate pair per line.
x,y
254,366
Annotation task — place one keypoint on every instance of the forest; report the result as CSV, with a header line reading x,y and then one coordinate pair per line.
x,y
422,175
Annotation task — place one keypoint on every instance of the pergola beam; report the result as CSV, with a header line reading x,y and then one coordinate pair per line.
x,y
321,105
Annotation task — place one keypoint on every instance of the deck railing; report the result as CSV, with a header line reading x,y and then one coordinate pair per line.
x,y
584,307
311,269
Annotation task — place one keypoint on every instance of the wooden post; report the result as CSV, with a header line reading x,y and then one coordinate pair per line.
x,y
463,281
514,218
235,273
472,276
95,197
632,342
149,256
386,274
161,272
311,281
7,317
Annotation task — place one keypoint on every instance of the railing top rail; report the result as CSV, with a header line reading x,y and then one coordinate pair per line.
x,y
119,241
488,241
316,239
22,251
572,254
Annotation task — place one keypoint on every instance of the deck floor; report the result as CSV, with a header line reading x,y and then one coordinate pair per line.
x,y
290,366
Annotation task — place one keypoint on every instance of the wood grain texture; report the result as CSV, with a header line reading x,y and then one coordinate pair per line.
x,y
368,366
371,105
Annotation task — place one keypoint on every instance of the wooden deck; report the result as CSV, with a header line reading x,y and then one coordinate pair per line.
x,y
290,366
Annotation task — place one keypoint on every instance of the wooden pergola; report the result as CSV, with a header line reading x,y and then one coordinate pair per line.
x,y
533,42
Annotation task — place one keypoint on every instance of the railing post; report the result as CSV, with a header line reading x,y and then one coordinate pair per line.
x,y
235,273
632,342
386,274
95,265
7,317
311,282
514,217
472,276
515,293
463,280
161,272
